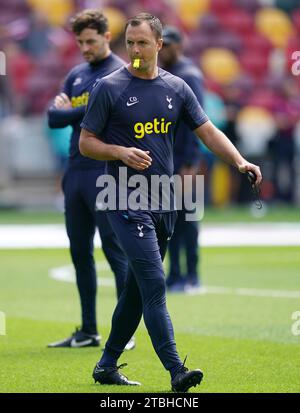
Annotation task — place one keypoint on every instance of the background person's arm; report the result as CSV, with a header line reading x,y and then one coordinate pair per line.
x,y
60,118
61,113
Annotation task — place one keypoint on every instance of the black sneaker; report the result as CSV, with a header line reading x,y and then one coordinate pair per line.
x,y
78,339
111,375
185,379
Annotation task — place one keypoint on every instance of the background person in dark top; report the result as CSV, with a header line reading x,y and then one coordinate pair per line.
x,y
186,162
79,183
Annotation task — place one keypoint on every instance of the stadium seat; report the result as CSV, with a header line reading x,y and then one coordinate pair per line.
x,y
192,5
56,11
20,66
38,96
116,20
254,62
272,82
221,6
17,28
190,11
220,64
265,98
247,5
296,19
256,42
210,23
50,65
228,40
16,8
238,21
245,83
198,42
275,25
7,17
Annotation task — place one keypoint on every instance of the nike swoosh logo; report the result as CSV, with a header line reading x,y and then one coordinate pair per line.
x,y
97,370
132,103
75,343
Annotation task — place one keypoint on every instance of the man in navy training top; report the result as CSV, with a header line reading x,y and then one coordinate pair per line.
x,y
130,122
79,183
187,157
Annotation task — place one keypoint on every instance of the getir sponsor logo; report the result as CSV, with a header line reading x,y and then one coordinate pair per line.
x,y
81,100
157,127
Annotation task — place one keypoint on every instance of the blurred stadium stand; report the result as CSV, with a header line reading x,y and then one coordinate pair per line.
x,y
244,48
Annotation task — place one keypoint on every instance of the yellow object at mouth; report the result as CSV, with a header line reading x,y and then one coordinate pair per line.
x,y
136,63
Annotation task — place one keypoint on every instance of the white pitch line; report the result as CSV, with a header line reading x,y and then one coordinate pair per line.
x,y
217,235
251,292
66,274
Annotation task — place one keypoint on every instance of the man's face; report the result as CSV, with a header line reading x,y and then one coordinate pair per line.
x,y
93,46
141,43
169,54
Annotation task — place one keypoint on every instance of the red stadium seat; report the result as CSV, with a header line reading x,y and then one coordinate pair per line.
x,y
38,95
20,66
200,41
265,98
256,41
245,83
238,21
210,23
296,19
254,63
228,40
221,6
248,5
273,82
50,65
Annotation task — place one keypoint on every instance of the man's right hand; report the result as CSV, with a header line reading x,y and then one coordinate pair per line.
x,y
135,158
62,101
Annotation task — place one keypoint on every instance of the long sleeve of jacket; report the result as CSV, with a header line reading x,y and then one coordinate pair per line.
x,y
60,118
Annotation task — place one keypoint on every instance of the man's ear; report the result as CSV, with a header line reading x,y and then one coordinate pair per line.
x,y
159,44
107,36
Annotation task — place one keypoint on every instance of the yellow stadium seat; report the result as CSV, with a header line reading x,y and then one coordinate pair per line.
x,y
116,19
275,25
190,11
57,12
220,64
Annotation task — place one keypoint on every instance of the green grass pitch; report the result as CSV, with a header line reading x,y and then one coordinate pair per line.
x,y
242,342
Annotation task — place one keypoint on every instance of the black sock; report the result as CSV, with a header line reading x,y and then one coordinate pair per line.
x,y
90,329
